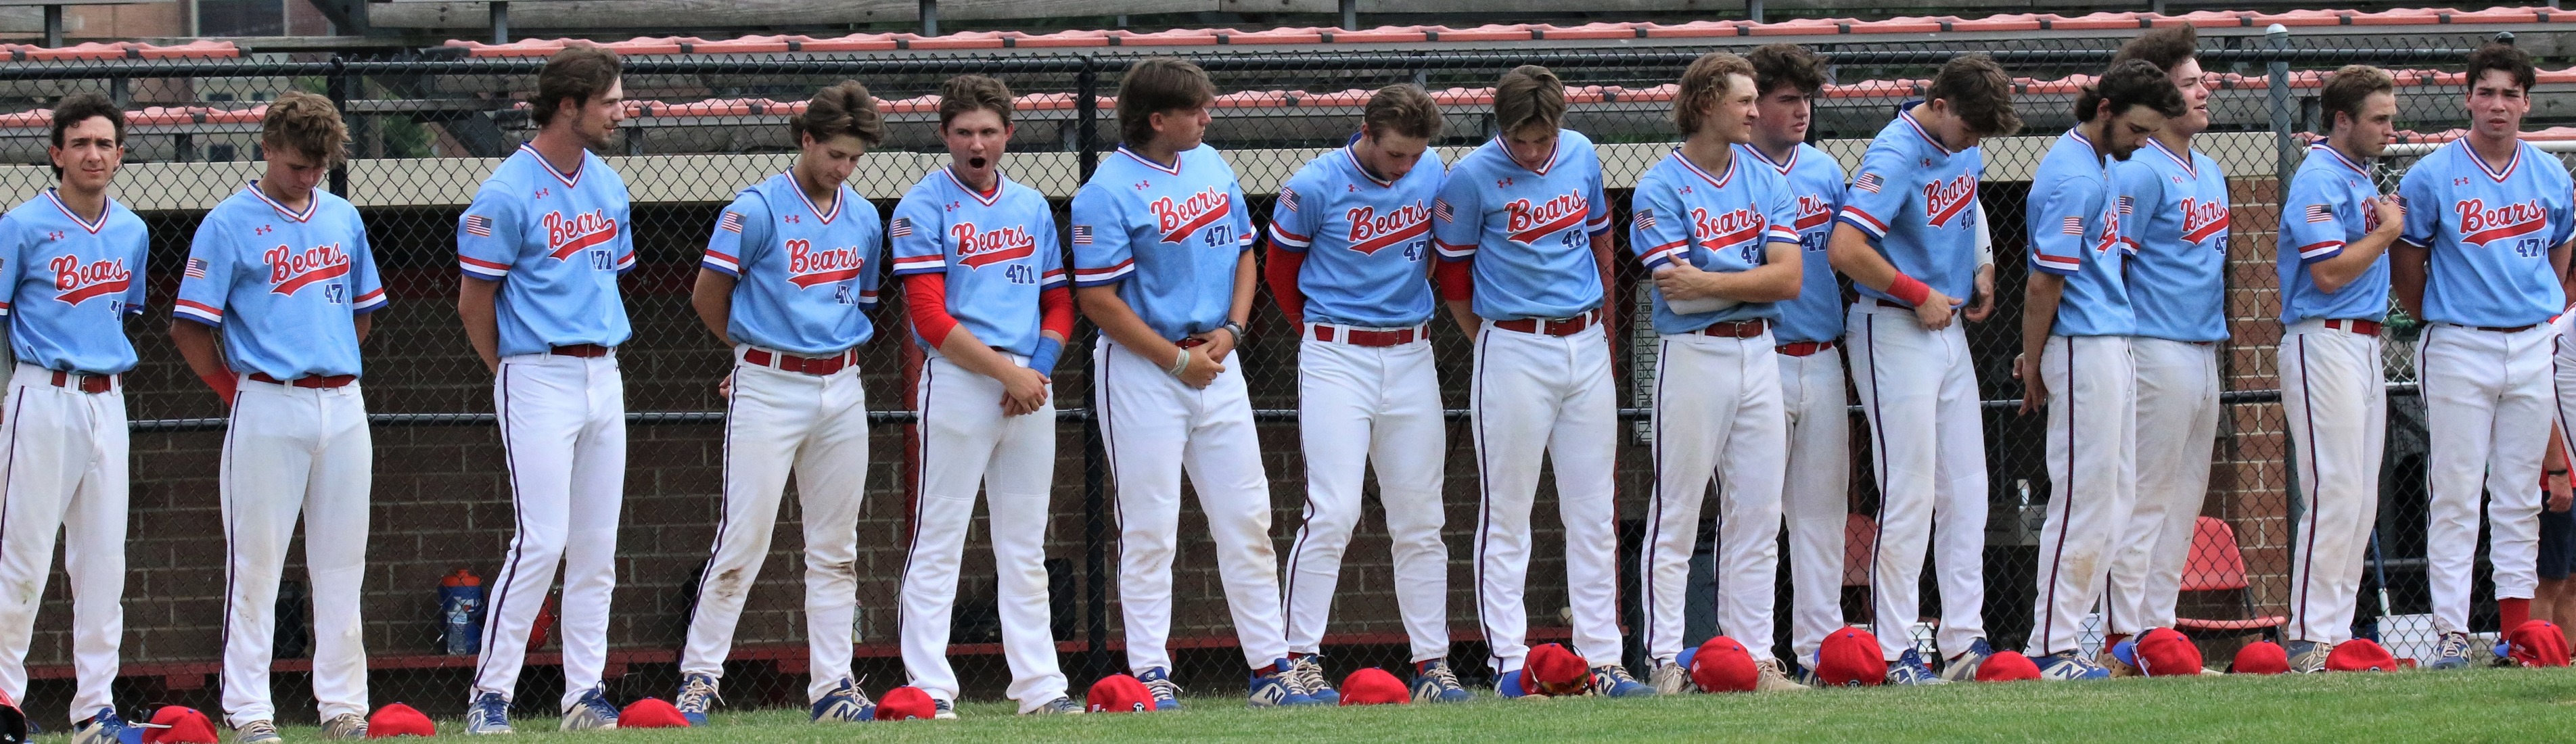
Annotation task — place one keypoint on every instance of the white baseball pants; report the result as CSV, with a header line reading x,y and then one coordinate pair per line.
x,y
2092,480
1359,406
776,422
563,431
1816,495
1928,445
1151,422
2489,398
1717,413
2177,427
1537,396
967,442
289,450
2335,402
65,472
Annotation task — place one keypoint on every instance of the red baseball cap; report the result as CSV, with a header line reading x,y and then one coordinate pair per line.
x,y
2165,652
1721,665
649,713
1373,686
906,703
1850,658
2360,655
2007,666
403,720
1119,693
2261,657
1554,671
173,724
2538,643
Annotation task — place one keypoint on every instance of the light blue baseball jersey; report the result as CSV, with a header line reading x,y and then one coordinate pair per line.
x,y
556,242
1169,236
1815,180
1723,222
1365,240
2074,226
1527,230
2177,242
283,285
2490,232
806,274
2328,205
1916,201
998,252
67,284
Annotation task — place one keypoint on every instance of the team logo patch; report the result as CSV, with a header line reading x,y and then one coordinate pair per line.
x,y
902,228
1869,182
289,270
807,267
76,282
1739,229
1526,222
1179,219
569,235
980,249
1813,212
1945,200
1371,232
481,226
2202,220
2480,225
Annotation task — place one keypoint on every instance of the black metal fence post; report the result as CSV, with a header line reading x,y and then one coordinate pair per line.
x,y
1095,456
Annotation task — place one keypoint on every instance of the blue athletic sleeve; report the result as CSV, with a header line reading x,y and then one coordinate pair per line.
x,y
487,235
365,284
2423,217
917,238
1292,222
1597,223
1879,193
1458,218
207,280
2057,237
1659,230
2310,226
1244,237
1051,272
1101,255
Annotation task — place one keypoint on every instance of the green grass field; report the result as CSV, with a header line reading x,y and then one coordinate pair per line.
x,y
2508,705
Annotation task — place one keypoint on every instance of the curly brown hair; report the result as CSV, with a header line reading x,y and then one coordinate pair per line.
x,y
966,93
306,124
845,109
2507,57
1703,83
1979,93
2165,47
1796,66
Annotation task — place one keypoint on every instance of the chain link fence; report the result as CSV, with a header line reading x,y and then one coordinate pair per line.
x,y
428,130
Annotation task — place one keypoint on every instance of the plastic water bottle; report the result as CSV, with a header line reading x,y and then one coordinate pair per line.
x,y
460,605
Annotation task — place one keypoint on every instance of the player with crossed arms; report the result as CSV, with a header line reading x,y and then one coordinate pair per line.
x,y
1523,230
788,277
1907,236
2076,324
2481,260
71,269
983,275
1350,243
542,246
2335,232
286,271
1719,233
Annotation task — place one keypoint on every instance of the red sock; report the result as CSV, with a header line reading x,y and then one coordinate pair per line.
x,y
2514,612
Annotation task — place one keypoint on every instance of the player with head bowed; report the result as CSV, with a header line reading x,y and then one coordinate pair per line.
x,y
1159,234
789,274
542,246
1523,230
2481,260
2177,236
2336,229
1350,248
2075,329
1907,236
983,275
1718,231
285,270
71,269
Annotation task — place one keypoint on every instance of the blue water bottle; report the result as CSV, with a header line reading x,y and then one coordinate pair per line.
x,y
460,609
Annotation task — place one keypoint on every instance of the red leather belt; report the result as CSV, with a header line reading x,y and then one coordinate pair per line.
x,y
581,350
2363,327
1551,326
314,381
88,383
1356,337
808,365
1805,348
1736,329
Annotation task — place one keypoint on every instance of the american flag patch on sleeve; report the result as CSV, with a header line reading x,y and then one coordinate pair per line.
x,y
1288,198
1645,219
2319,213
196,268
731,222
902,228
1868,182
478,226
1440,211
2128,204
2073,226
1082,235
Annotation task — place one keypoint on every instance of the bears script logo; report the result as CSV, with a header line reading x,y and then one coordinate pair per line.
x,y
1813,212
1944,200
980,249
2202,220
2480,225
1527,223
569,235
76,282
1179,219
289,270
807,267
1732,230
1371,232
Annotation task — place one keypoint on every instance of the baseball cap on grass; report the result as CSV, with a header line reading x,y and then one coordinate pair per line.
x,y
649,713
1118,693
2360,655
1721,665
2007,666
401,720
2163,652
2261,657
1850,658
2537,643
906,703
1554,671
1373,686
174,724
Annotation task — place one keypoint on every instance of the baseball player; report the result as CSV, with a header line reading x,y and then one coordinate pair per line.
x,y
2480,260
2076,324
789,275
1350,243
2335,232
285,271
984,277
2176,277
1719,234
1906,235
1523,230
71,269
542,246
1158,237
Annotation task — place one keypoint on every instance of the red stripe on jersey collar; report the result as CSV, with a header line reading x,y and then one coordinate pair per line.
x,y
570,180
985,199
1541,170
310,204
1926,134
92,227
1354,159
2498,175
2321,146
799,188
1175,168
1784,166
1719,181
2178,159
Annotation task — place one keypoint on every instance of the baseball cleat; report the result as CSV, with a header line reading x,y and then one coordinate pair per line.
x,y
2070,664
1800,674
1963,667
1908,669
1435,682
345,726
1612,680
1309,670
1061,705
488,715
697,695
1158,680
1772,679
844,704
590,712
1508,686
104,728
1668,678
264,732
942,710
2454,652
2309,657
1279,688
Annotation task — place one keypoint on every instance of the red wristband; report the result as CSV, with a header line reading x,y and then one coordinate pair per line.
x,y
1909,290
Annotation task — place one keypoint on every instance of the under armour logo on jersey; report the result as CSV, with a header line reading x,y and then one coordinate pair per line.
x,y
1506,182
1351,187
1686,190
53,235
1927,162
541,193
952,206
2461,181
76,282
792,219
264,230
289,271
1141,185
